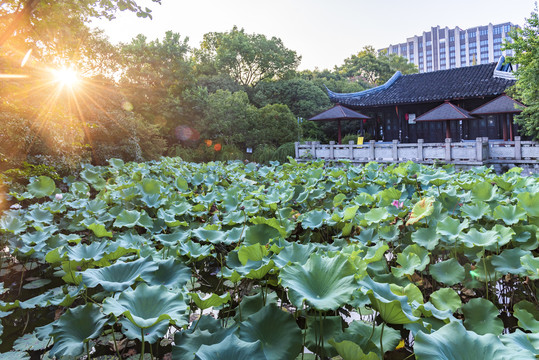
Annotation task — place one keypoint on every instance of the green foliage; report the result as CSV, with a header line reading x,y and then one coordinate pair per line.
x,y
525,45
247,58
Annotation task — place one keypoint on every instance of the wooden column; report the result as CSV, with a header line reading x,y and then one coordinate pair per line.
x,y
339,131
447,129
504,127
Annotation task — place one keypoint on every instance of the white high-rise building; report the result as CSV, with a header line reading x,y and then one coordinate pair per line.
x,y
444,48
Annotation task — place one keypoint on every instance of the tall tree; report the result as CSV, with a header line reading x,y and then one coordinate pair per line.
x,y
525,44
247,58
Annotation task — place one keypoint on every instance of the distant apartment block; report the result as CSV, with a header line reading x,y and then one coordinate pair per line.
x,y
445,48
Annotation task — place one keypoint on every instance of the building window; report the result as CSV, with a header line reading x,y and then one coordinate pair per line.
x,y
484,49
483,32
471,34
472,51
420,45
497,40
462,36
463,60
484,42
442,49
451,39
442,56
497,29
429,52
506,28
428,43
451,49
497,53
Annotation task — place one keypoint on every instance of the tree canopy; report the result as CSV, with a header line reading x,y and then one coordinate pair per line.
x,y
525,44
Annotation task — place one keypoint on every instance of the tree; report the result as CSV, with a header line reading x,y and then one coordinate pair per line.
x,y
155,76
525,44
375,68
247,58
27,17
274,125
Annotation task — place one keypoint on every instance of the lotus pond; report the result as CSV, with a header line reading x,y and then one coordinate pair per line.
x,y
177,260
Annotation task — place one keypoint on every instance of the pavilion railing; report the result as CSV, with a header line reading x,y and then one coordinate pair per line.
x,y
475,152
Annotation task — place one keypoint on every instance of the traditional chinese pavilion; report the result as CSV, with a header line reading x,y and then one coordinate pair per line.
x,y
394,107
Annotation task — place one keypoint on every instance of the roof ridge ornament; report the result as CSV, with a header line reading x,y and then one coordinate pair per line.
x,y
503,71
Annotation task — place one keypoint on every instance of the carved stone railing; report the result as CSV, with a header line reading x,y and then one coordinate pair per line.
x,y
478,152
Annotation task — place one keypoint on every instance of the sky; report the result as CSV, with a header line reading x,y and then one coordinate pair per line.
x,y
322,32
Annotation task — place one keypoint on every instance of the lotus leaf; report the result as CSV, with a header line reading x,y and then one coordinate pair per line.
x,y
484,238
252,304
314,219
421,209
212,300
147,305
323,283
449,272
277,331
82,252
508,262
351,351
14,355
188,342
41,186
174,238
481,316
454,342
483,191
93,178
446,299
527,315
360,332
294,253
475,211
409,263
119,276
393,309
194,250
510,214
127,218
151,335
451,228
231,348
530,203
260,234
519,341
99,230
75,328
30,342
254,252
171,273
531,265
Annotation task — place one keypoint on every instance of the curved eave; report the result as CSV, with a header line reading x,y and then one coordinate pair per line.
x,y
339,98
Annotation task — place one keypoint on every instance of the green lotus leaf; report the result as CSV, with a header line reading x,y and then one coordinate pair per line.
x,y
75,328
508,262
449,272
451,227
254,252
254,303
30,342
15,355
127,218
314,219
294,253
375,253
276,224
323,283
194,250
41,186
182,184
171,273
409,263
481,316
360,332
454,342
393,309
530,203
426,237
446,299
93,178
483,191
338,199
173,239
484,238
527,315
429,311
231,348
40,216
152,334
376,215
36,284
421,209
212,300
506,235
260,234
519,341
421,252
119,276
147,305
351,351
277,330
99,230
12,223
510,214
208,332
82,252
531,266
212,236
330,327
411,291
476,210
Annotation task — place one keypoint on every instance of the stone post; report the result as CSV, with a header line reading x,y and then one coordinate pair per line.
x,y
420,149
479,149
518,148
395,150
296,146
448,149
332,149
351,149
313,149
371,150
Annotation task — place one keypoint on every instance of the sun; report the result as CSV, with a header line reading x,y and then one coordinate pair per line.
x,y
66,77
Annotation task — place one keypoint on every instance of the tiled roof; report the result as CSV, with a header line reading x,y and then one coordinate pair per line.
x,y
338,112
460,83
503,104
446,111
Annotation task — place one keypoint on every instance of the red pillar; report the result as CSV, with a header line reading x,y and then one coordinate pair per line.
x,y
447,130
339,131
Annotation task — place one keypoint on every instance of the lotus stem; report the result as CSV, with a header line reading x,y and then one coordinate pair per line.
x,y
115,345
151,351
88,350
373,325
487,276
142,346
381,342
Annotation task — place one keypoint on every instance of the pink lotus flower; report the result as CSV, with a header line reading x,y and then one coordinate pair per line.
x,y
58,196
397,204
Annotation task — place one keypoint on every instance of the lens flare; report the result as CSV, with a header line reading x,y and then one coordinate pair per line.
x,y
185,133
66,77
